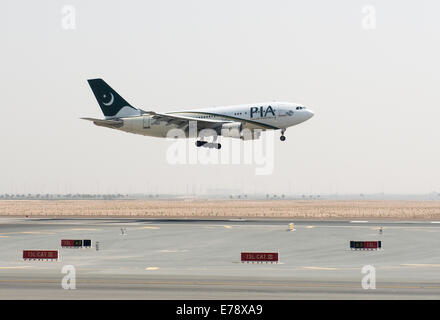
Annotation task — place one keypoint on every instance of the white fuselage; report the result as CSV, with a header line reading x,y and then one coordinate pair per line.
x,y
262,116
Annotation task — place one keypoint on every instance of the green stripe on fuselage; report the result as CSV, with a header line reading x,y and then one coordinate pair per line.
x,y
268,126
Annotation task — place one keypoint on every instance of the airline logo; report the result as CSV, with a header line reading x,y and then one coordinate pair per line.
x,y
261,111
112,99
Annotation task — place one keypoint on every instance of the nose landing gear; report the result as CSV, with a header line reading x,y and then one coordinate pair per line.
x,y
283,137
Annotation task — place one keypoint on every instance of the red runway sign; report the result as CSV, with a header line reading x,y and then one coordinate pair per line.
x,y
370,244
67,243
259,257
40,254
71,243
365,245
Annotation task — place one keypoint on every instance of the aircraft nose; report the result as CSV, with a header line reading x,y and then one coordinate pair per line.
x,y
310,113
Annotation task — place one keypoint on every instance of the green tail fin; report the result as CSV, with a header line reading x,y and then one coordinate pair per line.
x,y
111,103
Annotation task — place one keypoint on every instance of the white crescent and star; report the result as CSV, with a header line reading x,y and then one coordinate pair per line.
x,y
111,100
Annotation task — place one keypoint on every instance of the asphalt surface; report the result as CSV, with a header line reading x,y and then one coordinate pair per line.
x,y
200,259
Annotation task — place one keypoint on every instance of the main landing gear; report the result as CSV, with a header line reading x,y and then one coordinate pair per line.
x,y
283,137
207,144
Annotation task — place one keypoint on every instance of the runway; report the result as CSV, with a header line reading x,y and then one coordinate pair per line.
x,y
200,259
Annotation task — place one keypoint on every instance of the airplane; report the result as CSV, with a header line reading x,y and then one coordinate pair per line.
x,y
240,121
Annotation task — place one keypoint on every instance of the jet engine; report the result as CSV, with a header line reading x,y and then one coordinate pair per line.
x,y
231,130
235,130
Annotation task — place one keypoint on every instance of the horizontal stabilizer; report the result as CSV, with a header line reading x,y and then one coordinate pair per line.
x,y
106,123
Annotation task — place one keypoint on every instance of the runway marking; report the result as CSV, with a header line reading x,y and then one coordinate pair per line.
x,y
152,228
35,232
19,267
435,221
320,268
228,227
358,221
84,229
28,232
152,268
310,227
4,236
420,265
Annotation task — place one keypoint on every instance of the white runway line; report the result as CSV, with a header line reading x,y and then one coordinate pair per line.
x,y
420,265
321,268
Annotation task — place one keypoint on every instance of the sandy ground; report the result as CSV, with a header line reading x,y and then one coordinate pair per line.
x,y
295,209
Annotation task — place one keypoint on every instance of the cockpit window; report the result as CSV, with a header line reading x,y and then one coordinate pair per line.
x,y
300,108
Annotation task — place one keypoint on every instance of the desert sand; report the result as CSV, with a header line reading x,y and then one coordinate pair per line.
x,y
216,209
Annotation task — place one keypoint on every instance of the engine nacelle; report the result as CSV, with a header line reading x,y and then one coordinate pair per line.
x,y
235,130
247,134
232,130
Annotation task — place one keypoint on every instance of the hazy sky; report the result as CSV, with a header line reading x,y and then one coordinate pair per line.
x,y
375,92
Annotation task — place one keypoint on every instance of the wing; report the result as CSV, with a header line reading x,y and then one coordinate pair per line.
x,y
183,122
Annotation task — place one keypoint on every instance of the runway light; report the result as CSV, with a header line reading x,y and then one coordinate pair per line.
x,y
292,227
